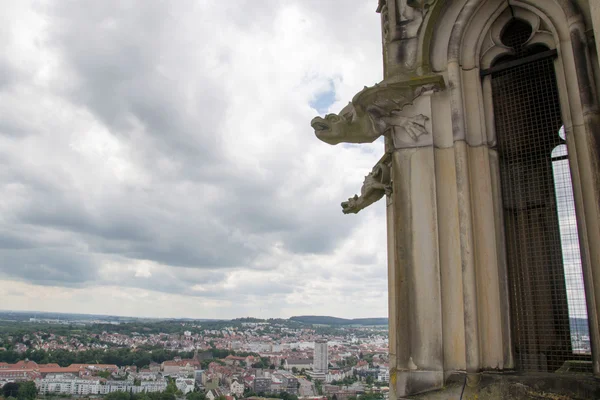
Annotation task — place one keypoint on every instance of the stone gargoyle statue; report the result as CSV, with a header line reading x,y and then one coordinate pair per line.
x,y
373,112
375,186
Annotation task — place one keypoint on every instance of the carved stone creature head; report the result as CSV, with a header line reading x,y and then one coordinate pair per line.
x,y
375,186
351,206
351,125
363,119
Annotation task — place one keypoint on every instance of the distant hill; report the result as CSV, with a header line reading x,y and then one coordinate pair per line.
x,y
324,320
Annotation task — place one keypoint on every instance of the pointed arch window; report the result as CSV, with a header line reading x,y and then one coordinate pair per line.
x,y
549,318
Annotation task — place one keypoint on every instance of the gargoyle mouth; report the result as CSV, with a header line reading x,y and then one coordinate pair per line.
x,y
319,125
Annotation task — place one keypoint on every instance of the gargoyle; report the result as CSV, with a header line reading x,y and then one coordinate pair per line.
x,y
373,112
375,186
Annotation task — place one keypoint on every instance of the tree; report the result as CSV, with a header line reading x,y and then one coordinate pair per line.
x,y
319,386
370,380
294,370
371,396
172,389
27,391
287,396
104,374
195,396
117,396
11,389
161,396
351,361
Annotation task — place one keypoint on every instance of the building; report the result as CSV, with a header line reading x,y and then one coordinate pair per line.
x,y
30,370
338,374
185,385
69,384
210,381
180,367
289,383
317,375
154,367
233,360
298,363
20,371
212,394
147,375
490,117
321,358
159,385
236,388
262,385
383,375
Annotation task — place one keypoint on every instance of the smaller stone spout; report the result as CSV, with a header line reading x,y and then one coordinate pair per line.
x,y
375,186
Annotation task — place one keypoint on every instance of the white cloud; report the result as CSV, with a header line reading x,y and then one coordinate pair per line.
x,y
157,159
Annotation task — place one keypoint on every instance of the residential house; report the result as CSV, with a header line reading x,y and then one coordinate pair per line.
x,y
236,388
212,394
233,360
185,385
180,367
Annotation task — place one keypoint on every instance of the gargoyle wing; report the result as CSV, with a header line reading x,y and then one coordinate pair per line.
x,y
383,98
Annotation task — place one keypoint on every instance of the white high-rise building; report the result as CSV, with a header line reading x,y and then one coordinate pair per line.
x,y
321,361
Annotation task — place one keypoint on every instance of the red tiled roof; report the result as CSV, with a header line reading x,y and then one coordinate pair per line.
x,y
180,363
230,357
20,365
60,370
98,366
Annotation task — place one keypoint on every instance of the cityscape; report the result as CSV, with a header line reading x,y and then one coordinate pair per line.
x,y
300,200
87,356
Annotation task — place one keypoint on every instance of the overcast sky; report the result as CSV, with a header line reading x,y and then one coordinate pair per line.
x,y
157,159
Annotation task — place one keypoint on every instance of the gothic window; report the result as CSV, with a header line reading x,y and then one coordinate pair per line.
x,y
549,319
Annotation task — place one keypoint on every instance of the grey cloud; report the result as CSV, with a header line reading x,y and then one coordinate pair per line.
x,y
180,280
48,266
115,53
144,72
6,74
9,241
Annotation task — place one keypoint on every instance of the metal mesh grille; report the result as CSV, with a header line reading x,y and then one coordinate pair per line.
x,y
544,263
580,339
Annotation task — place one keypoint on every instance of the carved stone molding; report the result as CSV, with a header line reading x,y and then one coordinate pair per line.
x,y
383,9
407,16
377,111
411,14
401,23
